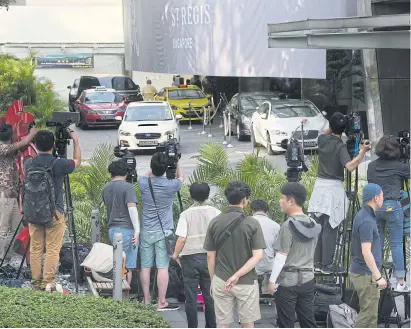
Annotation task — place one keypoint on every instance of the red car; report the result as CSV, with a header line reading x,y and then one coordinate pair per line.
x,y
99,107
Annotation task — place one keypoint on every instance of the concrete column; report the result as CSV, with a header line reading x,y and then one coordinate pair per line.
x,y
371,83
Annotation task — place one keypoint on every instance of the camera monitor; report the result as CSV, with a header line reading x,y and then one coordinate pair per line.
x,y
73,117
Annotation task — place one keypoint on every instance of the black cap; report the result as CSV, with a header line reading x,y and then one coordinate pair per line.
x,y
294,189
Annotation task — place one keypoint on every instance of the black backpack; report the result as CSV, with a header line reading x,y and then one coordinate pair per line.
x,y
38,194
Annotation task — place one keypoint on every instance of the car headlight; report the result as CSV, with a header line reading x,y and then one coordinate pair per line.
x,y
171,132
124,133
278,132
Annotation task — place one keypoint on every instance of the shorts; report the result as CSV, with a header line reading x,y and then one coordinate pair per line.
x,y
131,253
153,243
244,298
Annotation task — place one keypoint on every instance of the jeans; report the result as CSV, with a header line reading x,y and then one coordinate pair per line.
x,y
391,215
52,238
296,299
9,221
129,249
195,273
327,241
369,296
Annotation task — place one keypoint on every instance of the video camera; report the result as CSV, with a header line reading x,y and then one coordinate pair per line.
x,y
353,131
130,161
62,121
171,149
404,141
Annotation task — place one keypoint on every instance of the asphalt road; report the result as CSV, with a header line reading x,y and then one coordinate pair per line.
x,y
190,141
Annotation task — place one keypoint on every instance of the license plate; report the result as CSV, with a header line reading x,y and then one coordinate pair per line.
x,y
148,143
106,117
310,144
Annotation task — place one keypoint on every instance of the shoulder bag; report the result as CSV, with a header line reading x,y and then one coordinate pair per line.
x,y
171,239
229,231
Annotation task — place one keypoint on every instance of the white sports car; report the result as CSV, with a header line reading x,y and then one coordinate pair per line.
x,y
148,124
277,120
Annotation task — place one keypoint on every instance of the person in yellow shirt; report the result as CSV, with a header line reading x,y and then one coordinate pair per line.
x,y
149,91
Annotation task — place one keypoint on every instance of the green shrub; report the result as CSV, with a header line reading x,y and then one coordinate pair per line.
x,y
24,308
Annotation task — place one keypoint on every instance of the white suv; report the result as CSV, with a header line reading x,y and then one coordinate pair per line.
x,y
145,125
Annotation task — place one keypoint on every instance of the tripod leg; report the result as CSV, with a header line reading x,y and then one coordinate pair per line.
x,y
11,242
23,259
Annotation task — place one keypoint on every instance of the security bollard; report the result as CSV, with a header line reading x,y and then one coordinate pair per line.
x,y
95,226
209,122
117,266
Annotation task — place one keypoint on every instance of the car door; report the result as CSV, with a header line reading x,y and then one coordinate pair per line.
x,y
78,105
74,90
260,123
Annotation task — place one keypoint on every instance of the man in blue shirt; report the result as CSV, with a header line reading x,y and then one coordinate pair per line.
x,y
365,270
152,236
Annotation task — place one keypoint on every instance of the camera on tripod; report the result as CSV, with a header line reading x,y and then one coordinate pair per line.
x,y
171,148
295,159
353,131
404,141
62,121
130,160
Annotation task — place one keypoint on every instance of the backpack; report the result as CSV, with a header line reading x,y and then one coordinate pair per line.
x,y
341,316
38,194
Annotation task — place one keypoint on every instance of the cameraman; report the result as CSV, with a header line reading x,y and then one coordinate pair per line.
x,y
120,199
328,201
153,233
50,238
9,183
390,174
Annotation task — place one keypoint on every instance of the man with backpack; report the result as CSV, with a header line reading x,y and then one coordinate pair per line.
x,y
43,206
234,244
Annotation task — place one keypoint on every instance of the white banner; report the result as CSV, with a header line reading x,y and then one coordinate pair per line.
x,y
221,37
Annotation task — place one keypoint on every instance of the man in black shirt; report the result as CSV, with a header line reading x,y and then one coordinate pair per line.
x,y
328,201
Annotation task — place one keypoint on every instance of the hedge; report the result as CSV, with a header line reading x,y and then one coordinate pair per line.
x,y
24,308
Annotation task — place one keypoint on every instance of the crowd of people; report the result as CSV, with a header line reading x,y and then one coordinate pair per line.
x,y
223,252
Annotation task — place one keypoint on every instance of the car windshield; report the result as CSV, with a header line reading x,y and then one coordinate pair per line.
x,y
294,111
249,104
185,93
148,113
118,83
103,97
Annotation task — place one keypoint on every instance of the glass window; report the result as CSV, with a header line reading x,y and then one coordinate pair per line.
x,y
76,82
118,83
185,93
148,113
293,111
89,82
234,101
102,97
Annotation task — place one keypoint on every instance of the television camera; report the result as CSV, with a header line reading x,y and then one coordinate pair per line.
x,y
353,131
61,122
130,160
404,141
171,148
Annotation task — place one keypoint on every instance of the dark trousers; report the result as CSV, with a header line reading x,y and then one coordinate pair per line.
x,y
327,240
195,272
297,299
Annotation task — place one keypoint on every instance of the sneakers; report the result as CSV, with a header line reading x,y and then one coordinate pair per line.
x,y
54,287
402,288
169,307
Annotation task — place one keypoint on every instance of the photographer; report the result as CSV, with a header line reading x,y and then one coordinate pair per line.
x,y
390,174
328,201
153,232
293,266
9,184
49,237
120,199
234,244
191,230
365,269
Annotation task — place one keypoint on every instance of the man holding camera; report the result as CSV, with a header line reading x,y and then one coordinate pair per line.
x,y
328,201
157,196
9,184
120,199
48,236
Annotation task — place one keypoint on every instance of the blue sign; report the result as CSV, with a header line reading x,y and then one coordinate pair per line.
x,y
65,61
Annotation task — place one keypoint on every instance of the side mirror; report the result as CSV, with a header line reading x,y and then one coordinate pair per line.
x,y
77,101
324,113
118,118
68,87
179,117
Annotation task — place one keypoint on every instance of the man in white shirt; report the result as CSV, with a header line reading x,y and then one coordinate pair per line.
x,y
270,231
191,230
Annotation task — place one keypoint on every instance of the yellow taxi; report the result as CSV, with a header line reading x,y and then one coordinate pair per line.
x,y
181,97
